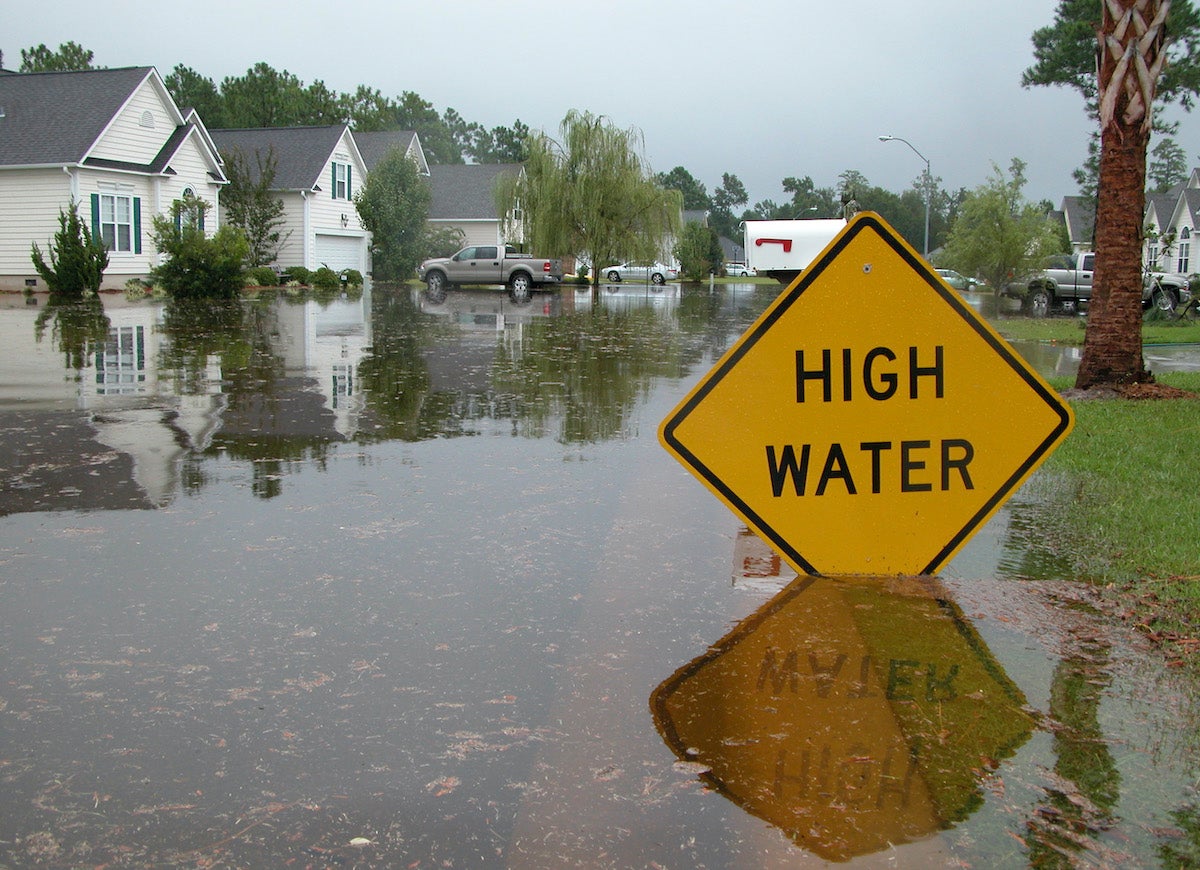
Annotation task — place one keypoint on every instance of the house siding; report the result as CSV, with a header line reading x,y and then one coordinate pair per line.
x,y
123,265
291,252
126,139
30,198
325,213
191,171
474,232
29,213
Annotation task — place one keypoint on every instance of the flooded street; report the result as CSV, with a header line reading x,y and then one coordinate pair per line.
x,y
370,582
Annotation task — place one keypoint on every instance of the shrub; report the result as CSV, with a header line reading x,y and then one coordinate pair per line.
x,y
263,276
77,261
326,279
136,288
198,266
352,278
298,274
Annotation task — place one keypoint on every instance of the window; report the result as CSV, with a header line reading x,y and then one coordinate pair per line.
x,y
1185,244
191,212
116,221
1152,254
342,181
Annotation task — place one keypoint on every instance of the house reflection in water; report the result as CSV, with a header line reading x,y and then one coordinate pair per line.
x,y
107,424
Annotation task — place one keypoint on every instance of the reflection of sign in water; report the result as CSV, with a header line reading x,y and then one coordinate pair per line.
x,y
854,425
850,714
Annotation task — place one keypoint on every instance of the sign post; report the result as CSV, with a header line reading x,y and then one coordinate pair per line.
x,y
869,422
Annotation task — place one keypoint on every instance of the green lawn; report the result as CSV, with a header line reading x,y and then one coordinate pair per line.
x,y
1069,330
1133,509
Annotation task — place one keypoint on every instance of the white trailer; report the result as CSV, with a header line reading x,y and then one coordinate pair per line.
x,y
782,249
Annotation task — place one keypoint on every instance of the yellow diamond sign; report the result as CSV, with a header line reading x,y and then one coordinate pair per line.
x,y
869,422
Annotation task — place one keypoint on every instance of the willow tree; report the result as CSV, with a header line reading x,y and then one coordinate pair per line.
x,y
591,194
1130,60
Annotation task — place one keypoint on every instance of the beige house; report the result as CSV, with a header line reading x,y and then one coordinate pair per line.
x,y
113,142
318,170
463,198
374,144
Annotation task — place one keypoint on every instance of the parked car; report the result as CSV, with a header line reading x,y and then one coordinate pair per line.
x,y
739,270
957,281
655,273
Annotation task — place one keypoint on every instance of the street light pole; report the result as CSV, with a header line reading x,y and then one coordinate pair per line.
x,y
928,183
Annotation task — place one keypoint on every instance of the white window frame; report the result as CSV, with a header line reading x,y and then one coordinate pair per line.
x,y
339,172
112,222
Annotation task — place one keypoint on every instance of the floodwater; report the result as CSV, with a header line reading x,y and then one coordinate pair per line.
x,y
368,582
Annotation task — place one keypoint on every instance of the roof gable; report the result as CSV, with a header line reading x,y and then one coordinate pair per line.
x,y
374,144
1158,210
301,153
57,118
466,192
1186,210
1079,212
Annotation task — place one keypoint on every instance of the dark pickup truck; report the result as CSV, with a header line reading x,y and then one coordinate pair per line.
x,y
489,264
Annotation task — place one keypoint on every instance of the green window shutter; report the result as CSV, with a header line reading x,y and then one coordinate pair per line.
x,y
137,224
333,184
200,220
95,215
348,194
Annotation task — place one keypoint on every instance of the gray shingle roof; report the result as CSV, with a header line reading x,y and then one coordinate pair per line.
x,y
57,117
465,192
300,152
373,144
1080,215
1160,206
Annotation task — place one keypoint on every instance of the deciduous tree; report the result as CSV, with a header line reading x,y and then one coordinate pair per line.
x,y
998,235
394,205
698,251
726,200
591,194
251,204
695,196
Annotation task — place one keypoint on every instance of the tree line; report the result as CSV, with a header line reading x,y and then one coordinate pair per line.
x,y
266,97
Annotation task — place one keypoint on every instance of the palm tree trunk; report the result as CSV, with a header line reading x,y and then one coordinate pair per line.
x,y
1131,57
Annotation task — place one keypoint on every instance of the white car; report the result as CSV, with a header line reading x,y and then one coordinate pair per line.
x,y
739,270
655,273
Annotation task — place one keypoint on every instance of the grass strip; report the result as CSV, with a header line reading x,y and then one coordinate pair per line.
x,y
1133,506
1070,330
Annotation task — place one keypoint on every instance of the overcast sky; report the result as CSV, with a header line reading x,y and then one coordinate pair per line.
x,y
764,90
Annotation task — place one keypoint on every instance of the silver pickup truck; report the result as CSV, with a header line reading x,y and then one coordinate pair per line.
x,y
489,264
1066,283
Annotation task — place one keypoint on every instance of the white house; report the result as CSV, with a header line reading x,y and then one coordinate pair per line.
x,y
1171,222
318,170
113,142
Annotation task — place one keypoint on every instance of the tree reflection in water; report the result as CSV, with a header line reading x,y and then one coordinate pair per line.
x,y
80,326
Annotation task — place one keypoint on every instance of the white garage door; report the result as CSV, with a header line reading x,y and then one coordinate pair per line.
x,y
341,252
